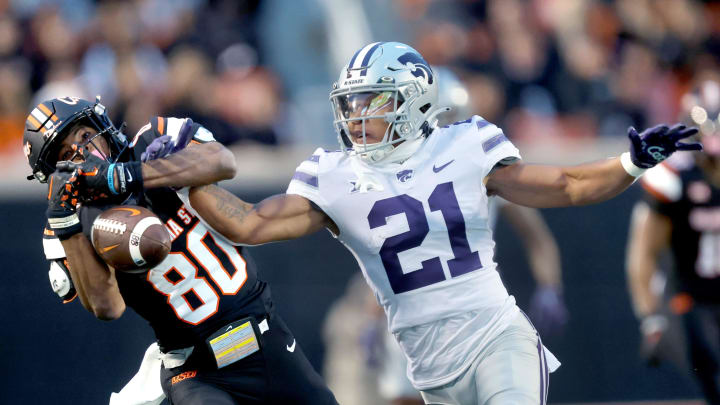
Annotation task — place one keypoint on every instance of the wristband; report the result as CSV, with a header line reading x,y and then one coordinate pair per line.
x,y
629,166
133,179
111,179
65,227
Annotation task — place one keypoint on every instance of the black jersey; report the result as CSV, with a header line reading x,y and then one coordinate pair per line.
x,y
679,190
203,284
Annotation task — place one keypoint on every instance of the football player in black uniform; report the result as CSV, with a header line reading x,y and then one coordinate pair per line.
x,y
221,340
681,213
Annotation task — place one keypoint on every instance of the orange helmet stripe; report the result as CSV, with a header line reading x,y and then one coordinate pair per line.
x,y
34,121
47,112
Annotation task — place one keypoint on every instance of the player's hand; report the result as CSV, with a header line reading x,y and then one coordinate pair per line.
x,y
652,329
100,179
62,201
164,145
656,144
548,311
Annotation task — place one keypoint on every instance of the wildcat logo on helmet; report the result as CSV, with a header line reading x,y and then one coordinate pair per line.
x,y
420,68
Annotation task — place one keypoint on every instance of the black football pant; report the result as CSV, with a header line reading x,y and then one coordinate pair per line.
x,y
273,375
702,328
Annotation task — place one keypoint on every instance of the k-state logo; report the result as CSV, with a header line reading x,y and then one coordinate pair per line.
x,y
420,67
404,175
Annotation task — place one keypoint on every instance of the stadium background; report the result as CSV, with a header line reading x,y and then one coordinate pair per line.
x,y
564,78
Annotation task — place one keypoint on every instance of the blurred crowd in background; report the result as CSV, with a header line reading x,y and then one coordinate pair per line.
x,y
260,71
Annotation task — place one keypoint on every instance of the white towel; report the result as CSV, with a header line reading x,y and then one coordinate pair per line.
x,y
144,388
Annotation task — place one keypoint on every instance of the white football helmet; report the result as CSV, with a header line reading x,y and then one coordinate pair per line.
x,y
379,75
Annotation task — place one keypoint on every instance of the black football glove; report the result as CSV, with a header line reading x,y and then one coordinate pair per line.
x,y
97,177
656,144
62,200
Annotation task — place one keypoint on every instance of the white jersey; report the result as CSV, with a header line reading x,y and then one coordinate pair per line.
x,y
419,231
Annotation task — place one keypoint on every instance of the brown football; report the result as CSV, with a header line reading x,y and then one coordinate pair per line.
x,y
130,238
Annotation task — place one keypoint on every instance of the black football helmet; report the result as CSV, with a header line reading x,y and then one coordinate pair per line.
x,y
49,123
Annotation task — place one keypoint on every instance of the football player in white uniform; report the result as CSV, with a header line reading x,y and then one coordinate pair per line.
x,y
409,200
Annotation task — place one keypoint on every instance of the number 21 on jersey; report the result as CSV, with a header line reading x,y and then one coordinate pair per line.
x,y
177,276
442,199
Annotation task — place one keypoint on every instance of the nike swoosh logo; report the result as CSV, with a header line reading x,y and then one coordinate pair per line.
x,y
292,347
437,169
111,247
133,211
129,175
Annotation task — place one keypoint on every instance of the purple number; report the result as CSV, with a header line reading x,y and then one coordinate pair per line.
x,y
442,199
431,271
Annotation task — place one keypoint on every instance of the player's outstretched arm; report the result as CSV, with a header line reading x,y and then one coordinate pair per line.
x,y
196,165
280,217
556,186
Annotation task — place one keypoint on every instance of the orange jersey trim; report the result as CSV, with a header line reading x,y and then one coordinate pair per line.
x,y
161,125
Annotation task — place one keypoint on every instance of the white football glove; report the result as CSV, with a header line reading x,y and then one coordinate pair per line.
x,y
60,281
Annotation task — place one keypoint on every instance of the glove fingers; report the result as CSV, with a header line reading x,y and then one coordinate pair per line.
x,y
684,133
184,136
66,166
688,146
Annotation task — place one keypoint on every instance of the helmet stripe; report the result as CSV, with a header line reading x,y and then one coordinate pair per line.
x,y
352,61
366,59
359,60
34,122
42,118
47,111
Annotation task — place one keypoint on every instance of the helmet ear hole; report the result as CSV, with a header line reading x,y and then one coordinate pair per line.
x,y
424,108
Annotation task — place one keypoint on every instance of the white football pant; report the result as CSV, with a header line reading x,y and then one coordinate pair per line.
x,y
511,371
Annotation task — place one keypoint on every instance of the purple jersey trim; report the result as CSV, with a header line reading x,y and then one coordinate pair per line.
x,y
493,142
306,178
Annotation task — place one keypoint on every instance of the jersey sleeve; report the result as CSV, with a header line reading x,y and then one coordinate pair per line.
x,y
663,187
487,145
159,126
305,181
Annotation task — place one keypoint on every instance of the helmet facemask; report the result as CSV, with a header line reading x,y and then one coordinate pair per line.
x,y
371,103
